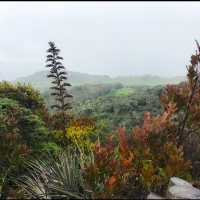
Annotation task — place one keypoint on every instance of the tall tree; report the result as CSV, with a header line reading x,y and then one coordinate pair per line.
x,y
60,84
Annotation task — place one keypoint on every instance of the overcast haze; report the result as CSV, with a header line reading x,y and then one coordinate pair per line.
x,y
112,38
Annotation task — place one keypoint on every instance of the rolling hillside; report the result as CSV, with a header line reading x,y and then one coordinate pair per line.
x,y
39,80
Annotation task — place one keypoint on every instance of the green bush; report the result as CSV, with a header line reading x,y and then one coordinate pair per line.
x,y
23,131
25,95
30,126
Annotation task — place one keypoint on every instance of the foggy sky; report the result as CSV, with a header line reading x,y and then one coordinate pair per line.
x,y
112,38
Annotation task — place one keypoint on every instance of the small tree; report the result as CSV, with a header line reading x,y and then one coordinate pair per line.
x,y
59,76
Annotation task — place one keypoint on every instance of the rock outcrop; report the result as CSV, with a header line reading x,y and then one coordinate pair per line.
x,y
178,189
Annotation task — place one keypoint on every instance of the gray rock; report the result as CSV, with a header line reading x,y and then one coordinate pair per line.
x,y
152,195
178,181
183,192
181,189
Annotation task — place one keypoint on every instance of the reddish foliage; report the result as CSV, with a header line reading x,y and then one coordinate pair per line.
x,y
141,157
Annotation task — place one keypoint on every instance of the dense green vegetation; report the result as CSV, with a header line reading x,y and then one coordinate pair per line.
x,y
121,107
114,105
23,130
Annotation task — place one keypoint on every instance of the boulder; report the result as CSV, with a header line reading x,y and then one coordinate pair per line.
x,y
178,181
181,189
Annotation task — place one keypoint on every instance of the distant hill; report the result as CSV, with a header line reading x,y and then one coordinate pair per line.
x,y
149,80
40,81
